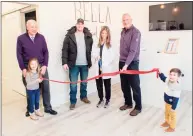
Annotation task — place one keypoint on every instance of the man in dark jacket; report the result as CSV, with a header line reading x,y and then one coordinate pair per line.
x,y
76,57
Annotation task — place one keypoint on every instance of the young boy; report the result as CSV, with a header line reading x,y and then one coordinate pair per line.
x,y
171,97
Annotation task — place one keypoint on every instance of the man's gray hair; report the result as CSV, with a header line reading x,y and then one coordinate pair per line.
x,y
30,21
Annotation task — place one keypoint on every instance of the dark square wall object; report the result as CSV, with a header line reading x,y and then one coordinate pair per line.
x,y
171,16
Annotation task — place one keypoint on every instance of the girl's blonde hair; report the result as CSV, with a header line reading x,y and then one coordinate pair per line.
x,y
38,66
108,40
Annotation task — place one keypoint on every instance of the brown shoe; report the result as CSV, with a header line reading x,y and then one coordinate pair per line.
x,y
72,106
165,124
125,107
85,100
170,129
135,112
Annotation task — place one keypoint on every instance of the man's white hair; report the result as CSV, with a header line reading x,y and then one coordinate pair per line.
x,y
31,21
126,14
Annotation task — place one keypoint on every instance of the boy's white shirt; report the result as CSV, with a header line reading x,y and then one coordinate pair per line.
x,y
172,89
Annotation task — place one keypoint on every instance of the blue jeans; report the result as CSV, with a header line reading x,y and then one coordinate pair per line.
x,y
73,74
45,87
34,98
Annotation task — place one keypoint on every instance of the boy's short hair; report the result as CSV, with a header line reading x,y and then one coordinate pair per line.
x,y
80,20
178,71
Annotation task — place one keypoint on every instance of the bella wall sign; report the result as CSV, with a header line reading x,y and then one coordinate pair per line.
x,y
93,13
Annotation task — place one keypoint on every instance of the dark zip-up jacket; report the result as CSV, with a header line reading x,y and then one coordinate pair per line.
x,y
69,50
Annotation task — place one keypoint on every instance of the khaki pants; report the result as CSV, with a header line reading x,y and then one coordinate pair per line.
x,y
170,116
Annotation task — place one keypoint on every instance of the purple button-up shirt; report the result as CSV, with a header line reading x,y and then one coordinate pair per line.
x,y
27,49
130,45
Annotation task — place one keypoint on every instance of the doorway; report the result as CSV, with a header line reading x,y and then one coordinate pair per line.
x,y
27,14
11,74
30,15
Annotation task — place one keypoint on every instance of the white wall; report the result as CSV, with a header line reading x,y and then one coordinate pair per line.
x,y
56,18
54,23
10,68
153,41
9,7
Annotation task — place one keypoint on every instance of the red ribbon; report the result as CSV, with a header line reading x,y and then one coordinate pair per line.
x,y
133,72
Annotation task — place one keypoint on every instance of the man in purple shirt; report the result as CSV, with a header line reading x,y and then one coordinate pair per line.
x,y
129,60
33,45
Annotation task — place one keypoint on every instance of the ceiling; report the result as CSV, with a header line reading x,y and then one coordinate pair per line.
x,y
12,6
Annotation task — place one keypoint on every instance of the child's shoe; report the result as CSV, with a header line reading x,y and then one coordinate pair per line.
x,y
169,129
165,124
33,116
38,113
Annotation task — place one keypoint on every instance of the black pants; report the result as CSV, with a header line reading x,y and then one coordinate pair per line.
x,y
45,87
129,82
107,83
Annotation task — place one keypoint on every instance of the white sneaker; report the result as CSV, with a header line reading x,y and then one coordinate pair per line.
x,y
107,103
38,113
100,103
33,116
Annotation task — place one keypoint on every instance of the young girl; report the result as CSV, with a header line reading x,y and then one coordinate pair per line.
x,y
104,56
171,98
33,79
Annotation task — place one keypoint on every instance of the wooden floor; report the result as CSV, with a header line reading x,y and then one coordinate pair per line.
x,y
87,120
